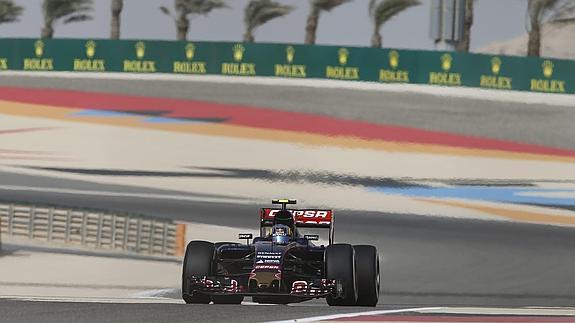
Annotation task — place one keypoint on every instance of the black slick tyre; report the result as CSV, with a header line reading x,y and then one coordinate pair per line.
x,y
367,271
197,262
339,260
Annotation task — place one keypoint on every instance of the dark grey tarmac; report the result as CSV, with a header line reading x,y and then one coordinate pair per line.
x,y
425,260
55,312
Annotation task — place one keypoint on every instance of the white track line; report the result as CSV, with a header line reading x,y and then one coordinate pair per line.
x,y
461,92
347,315
555,311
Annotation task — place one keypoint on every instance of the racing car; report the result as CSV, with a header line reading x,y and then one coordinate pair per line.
x,y
282,265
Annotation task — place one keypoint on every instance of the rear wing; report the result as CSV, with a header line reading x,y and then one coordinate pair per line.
x,y
308,218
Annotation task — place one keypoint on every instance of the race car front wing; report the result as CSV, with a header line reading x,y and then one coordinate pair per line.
x,y
312,288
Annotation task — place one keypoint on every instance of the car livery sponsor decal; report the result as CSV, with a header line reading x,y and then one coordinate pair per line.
x,y
317,217
268,257
233,287
268,261
298,286
266,267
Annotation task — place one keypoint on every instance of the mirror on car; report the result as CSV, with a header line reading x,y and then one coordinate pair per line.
x,y
311,237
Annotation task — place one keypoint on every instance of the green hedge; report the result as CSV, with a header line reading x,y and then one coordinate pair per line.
x,y
291,61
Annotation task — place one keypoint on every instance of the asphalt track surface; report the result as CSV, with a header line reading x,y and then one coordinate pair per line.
x,y
102,312
425,261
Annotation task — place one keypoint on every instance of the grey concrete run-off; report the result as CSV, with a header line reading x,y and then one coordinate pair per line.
x,y
528,123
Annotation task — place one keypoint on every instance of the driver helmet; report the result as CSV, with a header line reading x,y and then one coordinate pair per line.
x,y
281,234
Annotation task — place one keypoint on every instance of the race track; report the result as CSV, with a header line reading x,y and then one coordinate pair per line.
x,y
545,124
426,261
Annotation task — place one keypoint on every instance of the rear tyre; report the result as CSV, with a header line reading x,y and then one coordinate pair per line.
x,y
197,262
339,262
367,271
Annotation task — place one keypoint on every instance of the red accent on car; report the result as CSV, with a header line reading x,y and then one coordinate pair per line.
x,y
307,217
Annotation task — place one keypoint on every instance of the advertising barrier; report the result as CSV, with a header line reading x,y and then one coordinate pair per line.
x,y
290,61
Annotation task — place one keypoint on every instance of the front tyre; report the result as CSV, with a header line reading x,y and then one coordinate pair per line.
x,y
339,262
197,262
367,271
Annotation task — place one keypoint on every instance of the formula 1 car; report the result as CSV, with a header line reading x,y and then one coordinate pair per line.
x,y
281,265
